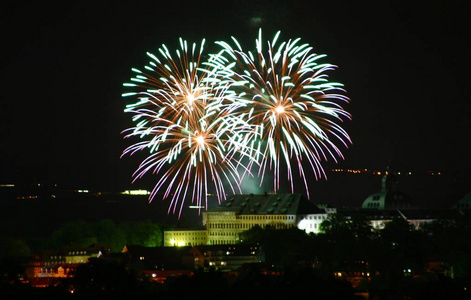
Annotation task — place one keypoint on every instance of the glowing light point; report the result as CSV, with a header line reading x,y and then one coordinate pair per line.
x,y
280,109
200,140
190,98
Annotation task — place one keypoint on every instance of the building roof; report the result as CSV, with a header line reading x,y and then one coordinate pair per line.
x,y
389,197
93,249
194,228
136,251
158,257
231,249
465,202
264,204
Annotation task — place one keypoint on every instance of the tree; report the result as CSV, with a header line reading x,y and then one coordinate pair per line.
x,y
144,233
282,247
75,233
345,242
450,242
103,279
356,228
13,247
110,234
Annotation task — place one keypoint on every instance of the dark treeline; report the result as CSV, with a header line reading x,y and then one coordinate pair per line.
x,y
397,257
82,234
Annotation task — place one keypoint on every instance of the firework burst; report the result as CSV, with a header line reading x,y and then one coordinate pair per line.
x,y
286,97
209,122
187,125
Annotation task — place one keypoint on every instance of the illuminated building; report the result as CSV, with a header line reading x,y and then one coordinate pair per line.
x,y
41,271
389,203
226,257
239,213
159,263
464,203
389,197
185,237
225,223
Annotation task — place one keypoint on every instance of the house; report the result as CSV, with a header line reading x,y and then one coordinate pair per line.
x,y
159,263
226,257
42,270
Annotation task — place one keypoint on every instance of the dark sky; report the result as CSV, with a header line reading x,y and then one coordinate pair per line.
x,y
405,66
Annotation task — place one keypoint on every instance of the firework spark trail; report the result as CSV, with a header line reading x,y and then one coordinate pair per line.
x,y
186,125
291,105
204,121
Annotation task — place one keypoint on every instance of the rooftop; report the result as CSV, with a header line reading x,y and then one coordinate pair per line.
x,y
263,204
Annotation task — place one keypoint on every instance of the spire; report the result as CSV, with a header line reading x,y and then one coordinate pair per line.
x,y
384,181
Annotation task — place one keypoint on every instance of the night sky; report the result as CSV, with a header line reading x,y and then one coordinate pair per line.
x,y
405,67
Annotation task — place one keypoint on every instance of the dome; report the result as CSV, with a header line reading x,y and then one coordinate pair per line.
x,y
388,197
465,202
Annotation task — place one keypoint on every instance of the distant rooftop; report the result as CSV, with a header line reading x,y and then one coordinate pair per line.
x,y
264,204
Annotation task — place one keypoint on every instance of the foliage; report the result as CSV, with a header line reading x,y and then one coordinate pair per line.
x,y
143,233
394,256
109,233
75,233
104,278
449,240
104,232
10,247
281,246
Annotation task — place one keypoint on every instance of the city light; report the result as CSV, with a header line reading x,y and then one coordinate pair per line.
x,y
136,192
